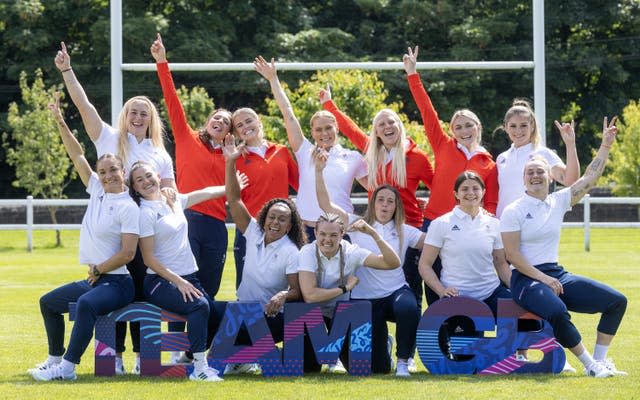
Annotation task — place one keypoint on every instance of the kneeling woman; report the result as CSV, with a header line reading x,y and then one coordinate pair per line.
x,y
531,229
387,290
171,281
270,273
327,266
108,240
468,242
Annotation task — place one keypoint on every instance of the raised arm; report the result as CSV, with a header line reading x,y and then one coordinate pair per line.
x,y
346,125
71,144
291,123
324,200
595,169
430,119
567,174
387,259
90,117
177,117
239,212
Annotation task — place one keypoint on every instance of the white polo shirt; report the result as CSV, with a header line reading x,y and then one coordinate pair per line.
x,y
266,266
343,166
170,234
466,250
108,216
510,166
329,275
539,223
378,283
159,159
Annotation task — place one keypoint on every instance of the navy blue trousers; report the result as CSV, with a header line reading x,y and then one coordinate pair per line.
x,y
201,313
581,295
110,293
138,271
399,307
208,239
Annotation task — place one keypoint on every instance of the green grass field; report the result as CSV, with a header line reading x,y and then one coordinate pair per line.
x,y
24,277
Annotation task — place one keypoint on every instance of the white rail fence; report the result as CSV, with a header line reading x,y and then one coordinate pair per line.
x,y
29,203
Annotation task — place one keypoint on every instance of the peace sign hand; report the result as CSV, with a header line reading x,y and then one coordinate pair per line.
x,y
567,131
609,131
410,61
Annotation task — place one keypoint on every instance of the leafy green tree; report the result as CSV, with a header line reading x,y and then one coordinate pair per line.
x,y
34,146
625,154
197,106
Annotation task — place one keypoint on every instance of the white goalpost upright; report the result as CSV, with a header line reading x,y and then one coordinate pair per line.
x,y
537,64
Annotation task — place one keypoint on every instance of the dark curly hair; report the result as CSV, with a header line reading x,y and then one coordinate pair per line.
x,y
296,233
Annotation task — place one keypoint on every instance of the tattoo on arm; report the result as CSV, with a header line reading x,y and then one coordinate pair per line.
x,y
595,168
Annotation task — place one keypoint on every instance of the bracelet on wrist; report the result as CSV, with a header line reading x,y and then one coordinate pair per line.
x,y
66,70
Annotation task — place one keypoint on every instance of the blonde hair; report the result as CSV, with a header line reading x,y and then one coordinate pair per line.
x,y
523,107
376,155
330,218
249,111
155,131
472,116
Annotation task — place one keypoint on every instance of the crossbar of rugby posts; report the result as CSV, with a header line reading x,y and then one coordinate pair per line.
x,y
29,203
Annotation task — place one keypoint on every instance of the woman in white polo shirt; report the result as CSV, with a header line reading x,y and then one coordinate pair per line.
x,y
520,124
171,281
387,290
468,241
531,229
108,240
343,165
327,267
138,137
274,237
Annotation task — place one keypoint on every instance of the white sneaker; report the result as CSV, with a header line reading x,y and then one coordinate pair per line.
x,y
402,369
337,368
411,365
120,367
523,358
390,351
48,363
568,369
247,368
136,367
612,367
207,374
597,369
53,373
180,357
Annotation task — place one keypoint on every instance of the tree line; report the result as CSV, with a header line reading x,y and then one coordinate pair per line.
x,y
592,59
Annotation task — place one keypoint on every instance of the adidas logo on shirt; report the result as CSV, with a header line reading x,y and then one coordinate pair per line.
x,y
528,216
455,228
158,216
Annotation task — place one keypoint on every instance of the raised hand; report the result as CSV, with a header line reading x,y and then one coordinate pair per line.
x,y
230,150
567,131
325,94
609,131
62,60
267,70
410,61
157,49
320,157
54,107
243,180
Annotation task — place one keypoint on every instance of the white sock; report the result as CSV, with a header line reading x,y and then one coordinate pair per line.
x,y
54,359
199,361
67,367
137,359
119,362
600,352
586,359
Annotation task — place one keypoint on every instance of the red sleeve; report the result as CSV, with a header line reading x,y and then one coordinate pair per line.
x,y
430,120
349,128
292,168
179,125
491,195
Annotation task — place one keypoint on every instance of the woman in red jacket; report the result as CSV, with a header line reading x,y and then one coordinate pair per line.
x,y
453,154
199,163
